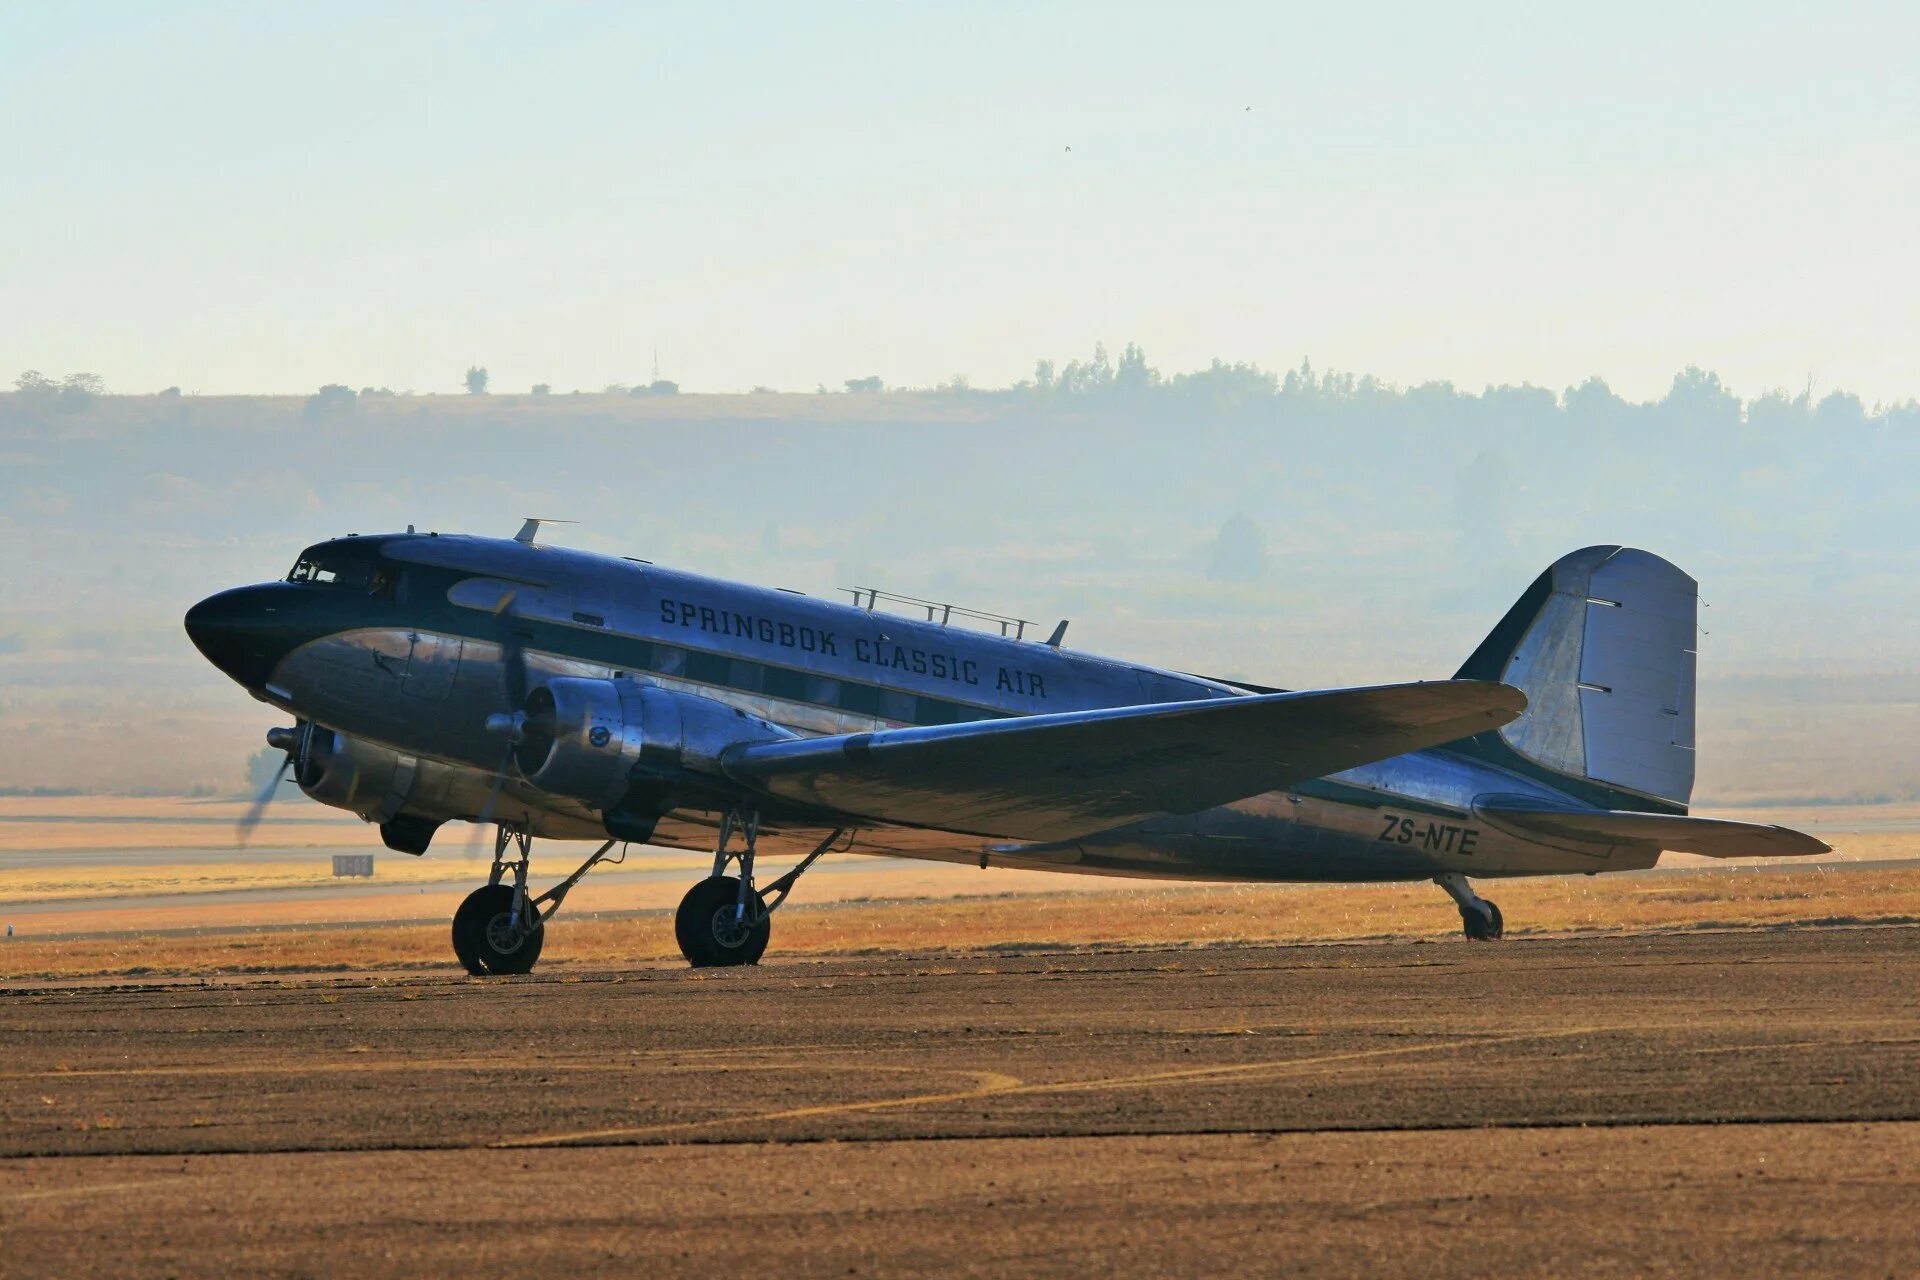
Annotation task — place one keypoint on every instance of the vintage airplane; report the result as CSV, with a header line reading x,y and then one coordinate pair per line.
x,y
549,692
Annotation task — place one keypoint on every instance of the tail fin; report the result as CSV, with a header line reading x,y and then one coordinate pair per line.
x,y
1602,644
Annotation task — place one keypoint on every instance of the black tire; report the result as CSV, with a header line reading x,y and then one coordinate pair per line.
x,y
1488,928
705,930
463,943
480,927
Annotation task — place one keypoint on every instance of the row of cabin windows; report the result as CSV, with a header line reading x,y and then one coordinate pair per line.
x,y
707,668
747,676
717,668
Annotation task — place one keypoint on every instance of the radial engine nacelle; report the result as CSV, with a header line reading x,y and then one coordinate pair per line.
x,y
409,796
592,740
348,773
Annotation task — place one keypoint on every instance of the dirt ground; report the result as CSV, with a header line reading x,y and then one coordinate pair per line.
x,y
1743,1102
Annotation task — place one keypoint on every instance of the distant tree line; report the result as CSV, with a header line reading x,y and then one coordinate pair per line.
x,y
1697,398
75,391
1129,385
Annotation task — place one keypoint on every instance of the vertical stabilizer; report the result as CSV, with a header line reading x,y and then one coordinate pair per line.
x,y
1602,644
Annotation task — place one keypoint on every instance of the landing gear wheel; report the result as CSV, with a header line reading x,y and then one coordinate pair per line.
x,y
709,930
1487,928
484,936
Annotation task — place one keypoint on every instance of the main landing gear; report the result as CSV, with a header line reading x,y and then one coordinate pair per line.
x,y
1479,918
725,920
499,929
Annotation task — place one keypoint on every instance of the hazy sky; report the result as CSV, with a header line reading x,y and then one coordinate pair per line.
x,y
243,197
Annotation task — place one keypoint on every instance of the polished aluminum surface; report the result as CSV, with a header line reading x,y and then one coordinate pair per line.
x,y
1608,669
665,672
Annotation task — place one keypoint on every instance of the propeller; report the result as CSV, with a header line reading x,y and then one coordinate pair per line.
x,y
289,741
512,723
251,819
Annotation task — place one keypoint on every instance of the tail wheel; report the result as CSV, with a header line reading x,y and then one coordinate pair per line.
x,y
486,937
1487,928
710,931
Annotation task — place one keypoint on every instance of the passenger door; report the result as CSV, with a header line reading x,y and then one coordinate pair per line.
x,y
432,663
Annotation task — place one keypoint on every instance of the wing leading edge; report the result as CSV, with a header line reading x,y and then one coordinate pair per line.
x,y
1057,777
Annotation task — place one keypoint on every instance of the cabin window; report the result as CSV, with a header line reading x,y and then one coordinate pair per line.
x,y
669,660
940,711
748,677
895,705
781,682
709,668
861,699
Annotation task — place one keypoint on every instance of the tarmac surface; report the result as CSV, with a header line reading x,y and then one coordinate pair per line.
x,y
1702,1103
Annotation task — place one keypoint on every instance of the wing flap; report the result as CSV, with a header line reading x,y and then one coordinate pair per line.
x,y
1056,777
1682,833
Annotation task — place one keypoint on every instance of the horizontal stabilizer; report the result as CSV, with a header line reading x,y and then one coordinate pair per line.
x,y
1712,837
1056,777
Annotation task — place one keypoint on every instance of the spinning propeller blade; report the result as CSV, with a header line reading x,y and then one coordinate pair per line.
x,y
251,818
513,680
513,656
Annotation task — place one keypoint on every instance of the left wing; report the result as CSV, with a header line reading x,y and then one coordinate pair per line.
x,y
1057,777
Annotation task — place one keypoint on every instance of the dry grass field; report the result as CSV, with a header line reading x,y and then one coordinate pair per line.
x,y
1180,917
106,885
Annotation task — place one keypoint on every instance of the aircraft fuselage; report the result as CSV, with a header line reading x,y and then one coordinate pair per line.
x,y
393,646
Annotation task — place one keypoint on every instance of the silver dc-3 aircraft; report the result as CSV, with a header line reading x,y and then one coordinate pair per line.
x,y
547,692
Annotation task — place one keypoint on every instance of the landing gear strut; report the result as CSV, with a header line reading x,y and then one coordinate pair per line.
x,y
1479,919
500,929
726,920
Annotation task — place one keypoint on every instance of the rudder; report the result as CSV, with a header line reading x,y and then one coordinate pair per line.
x,y
1603,645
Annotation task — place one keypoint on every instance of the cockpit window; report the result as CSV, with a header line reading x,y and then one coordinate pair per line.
x,y
312,571
375,580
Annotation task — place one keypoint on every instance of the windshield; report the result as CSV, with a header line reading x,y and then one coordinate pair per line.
x,y
307,570
329,571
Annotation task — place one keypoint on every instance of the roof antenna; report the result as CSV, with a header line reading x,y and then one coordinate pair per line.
x,y
531,529
1059,634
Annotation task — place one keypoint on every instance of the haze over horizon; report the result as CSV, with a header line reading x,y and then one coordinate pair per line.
x,y
1710,210
1311,531
233,199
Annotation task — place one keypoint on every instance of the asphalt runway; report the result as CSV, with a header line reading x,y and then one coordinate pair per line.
x,y
1742,1102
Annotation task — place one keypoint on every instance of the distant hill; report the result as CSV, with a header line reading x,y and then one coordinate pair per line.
x,y
1297,529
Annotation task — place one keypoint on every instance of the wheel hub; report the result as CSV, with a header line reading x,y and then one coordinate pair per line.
x,y
729,930
502,935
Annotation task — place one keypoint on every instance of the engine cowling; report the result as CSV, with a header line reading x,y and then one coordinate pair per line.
x,y
347,773
590,739
386,786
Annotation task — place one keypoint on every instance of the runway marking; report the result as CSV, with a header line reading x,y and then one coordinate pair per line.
x,y
1002,1086
993,1083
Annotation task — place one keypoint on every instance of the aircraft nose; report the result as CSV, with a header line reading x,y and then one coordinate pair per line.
x,y
231,630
